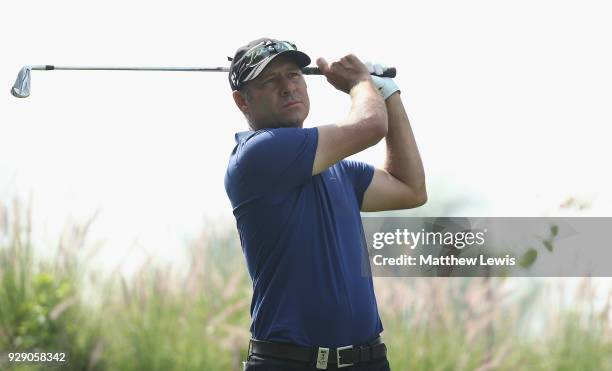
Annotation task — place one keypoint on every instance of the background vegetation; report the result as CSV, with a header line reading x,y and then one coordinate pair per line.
x,y
163,318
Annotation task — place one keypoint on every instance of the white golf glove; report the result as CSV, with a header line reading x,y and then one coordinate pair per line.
x,y
386,86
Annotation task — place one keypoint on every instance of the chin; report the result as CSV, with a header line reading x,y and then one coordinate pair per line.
x,y
292,122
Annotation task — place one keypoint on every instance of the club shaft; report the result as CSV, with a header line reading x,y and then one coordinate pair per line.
x,y
388,72
114,68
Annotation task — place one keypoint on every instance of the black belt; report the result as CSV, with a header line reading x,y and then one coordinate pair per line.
x,y
322,357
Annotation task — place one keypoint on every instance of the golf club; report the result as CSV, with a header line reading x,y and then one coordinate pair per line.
x,y
21,88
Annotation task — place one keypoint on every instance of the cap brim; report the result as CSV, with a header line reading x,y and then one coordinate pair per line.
x,y
300,58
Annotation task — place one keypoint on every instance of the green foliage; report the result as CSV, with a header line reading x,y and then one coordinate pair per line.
x,y
531,255
35,327
554,230
548,245
528,258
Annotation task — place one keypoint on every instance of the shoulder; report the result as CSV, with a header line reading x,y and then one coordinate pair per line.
x,y
278,141
277,134
278,152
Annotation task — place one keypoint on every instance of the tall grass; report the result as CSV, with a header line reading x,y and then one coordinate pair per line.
x,y
164,318
40,308
492,324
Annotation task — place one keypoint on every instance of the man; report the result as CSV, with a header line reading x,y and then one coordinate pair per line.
x,y
297,205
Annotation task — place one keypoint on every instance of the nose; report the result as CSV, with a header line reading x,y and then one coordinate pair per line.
x,y
287,86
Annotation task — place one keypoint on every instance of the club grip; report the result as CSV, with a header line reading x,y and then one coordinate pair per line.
x,y
387,72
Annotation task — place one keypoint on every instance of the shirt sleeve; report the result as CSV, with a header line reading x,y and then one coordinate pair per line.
x,y
275,159
361,175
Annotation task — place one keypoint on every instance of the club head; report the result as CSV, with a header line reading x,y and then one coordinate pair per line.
x,y
21,88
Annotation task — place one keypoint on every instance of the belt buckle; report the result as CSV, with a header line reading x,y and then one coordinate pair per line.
x,y
340,364
322,355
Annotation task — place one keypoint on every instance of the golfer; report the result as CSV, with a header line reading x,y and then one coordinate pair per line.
x,y
297,204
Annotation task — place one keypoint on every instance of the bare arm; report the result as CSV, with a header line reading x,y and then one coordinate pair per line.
x,y
366,123
401,184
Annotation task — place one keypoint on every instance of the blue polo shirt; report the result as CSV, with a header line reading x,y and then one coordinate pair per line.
x,y
303,240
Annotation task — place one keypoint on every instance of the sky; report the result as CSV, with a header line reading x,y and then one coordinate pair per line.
x,y
509,103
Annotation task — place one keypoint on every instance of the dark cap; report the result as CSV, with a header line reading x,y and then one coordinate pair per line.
x,y
252,58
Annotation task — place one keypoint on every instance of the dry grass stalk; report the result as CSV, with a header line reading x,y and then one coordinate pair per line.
x,y
60,308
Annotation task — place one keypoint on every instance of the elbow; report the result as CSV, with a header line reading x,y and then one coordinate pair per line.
x,y
421,199
421,196
418,198
382,120
383,128
379,126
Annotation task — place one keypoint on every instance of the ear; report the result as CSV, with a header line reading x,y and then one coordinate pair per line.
x,y
240,101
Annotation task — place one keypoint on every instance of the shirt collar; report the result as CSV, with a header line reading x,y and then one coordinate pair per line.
x,y
242,135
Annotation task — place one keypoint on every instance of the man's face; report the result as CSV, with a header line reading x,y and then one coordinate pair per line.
x,y
278,97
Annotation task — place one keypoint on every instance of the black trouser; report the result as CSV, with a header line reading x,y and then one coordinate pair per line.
x,y
259,363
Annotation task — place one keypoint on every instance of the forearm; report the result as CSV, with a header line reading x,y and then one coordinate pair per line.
x,y
403,160
368,108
